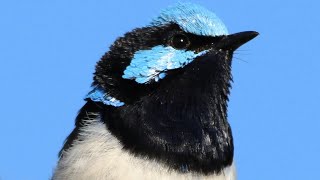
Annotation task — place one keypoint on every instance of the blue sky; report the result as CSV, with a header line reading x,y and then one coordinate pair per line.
x,y
48,51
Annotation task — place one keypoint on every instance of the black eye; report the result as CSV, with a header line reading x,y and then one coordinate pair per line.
x,y
179,41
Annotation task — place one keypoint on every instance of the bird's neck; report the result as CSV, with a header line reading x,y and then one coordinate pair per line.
x,y
185,128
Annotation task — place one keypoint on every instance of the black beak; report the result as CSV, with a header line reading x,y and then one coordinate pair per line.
x,y
234,41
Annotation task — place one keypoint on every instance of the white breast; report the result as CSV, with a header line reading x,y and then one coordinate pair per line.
x,y
99,156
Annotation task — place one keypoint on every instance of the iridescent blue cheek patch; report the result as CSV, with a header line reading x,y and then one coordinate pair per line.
x,y
152,64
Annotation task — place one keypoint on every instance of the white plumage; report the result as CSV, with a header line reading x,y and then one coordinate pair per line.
x,y
100,156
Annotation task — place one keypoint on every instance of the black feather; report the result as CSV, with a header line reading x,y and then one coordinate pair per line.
x,y
180,121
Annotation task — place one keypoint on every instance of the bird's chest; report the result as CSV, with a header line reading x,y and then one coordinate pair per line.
x,y
100,156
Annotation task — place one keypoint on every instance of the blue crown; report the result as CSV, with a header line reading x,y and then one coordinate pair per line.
x,y
192,18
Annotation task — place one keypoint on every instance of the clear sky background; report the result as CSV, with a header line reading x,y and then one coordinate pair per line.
x,y
48,50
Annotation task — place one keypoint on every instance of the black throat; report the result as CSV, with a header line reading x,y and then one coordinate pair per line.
x,y
183,123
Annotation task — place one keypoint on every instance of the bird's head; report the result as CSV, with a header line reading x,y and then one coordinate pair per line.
x,y
185,46
165,87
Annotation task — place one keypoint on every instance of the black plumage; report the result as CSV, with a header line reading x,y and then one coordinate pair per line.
x,y
181,121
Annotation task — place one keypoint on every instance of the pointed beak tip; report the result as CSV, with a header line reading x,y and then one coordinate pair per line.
x,y
254,34
247,35
234,41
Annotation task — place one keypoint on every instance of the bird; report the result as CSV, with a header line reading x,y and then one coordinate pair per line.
x,y
157,108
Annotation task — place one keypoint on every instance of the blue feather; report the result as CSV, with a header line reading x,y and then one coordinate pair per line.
x,y
152,64
192,18
98,95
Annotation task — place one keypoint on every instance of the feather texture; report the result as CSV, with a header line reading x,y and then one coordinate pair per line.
x,y
100,156
192,18
152,64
